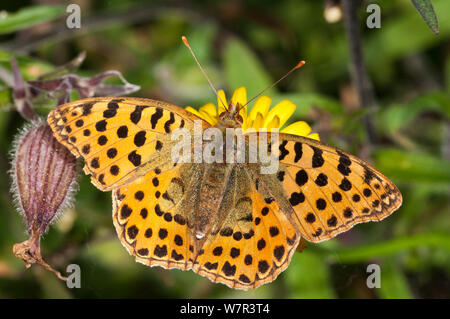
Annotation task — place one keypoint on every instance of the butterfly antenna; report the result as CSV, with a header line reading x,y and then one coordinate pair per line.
x,y
186,43
298,66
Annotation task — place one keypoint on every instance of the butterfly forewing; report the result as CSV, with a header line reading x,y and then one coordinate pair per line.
x,y
120,139
331,190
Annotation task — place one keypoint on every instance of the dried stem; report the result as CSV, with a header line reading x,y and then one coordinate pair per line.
x,y
30,252
359,75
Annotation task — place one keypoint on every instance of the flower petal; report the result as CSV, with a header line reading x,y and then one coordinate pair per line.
x,y
256,117
259,118
192,110
208,118
314,136
210,111
258,122
298,128
279,114
202,115
240,96
221,100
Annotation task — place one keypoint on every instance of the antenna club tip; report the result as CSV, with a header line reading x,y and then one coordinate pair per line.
x,y
300,64
185,40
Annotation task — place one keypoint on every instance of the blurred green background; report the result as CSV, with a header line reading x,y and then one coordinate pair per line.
x,y
250,43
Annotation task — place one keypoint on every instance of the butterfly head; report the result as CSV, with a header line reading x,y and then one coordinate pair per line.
x,y
231,117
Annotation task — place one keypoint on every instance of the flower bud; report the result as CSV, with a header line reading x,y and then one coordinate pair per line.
x,y
44,179
44,176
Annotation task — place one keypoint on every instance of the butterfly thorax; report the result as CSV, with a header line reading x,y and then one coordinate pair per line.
x,y
231,117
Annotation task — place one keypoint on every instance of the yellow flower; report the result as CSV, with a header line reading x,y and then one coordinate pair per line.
x,y
260,117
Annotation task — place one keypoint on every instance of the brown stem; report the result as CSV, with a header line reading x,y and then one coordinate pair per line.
x,y
359,75
30,252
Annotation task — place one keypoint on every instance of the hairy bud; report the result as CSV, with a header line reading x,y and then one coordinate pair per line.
x,y
44,179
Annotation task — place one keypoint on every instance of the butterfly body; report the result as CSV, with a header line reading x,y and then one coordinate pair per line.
x,y
224,220
212,189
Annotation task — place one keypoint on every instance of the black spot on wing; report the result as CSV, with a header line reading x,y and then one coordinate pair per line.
x,y
298,151
139,138
100,126
368,175
301,177
169,122
228,270
317,160
135,116
283,151
111,111
156,116
134,158
87,108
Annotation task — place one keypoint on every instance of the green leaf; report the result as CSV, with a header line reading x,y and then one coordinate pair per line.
x,y
52,287
28,17
242,68
426,10
306,101
392,247
309,277
394,117
6,99
394,284
413,166
381,48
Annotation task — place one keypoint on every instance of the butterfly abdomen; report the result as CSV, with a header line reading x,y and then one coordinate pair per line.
x,y
212,188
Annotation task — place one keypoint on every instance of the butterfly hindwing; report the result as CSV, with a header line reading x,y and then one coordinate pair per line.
x,y
154,216
120,139
330,190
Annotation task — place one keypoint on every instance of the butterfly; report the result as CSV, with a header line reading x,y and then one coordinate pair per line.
x,y
226,220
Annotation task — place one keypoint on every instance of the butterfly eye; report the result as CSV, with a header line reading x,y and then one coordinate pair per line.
x,y
239,118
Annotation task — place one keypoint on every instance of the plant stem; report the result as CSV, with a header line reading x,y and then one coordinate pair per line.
x,y
359,75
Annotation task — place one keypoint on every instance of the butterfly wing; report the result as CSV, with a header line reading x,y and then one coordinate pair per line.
x,y
154,216
328,190
120,139
254,242
155,219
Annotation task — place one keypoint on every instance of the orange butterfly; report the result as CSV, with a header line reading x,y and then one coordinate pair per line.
x,y
225,221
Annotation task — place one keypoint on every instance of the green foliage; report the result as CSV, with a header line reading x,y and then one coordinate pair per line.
x,y
395,117
410,70
307,284
425,8
28,17
394,284
416,167
242,68
392,247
